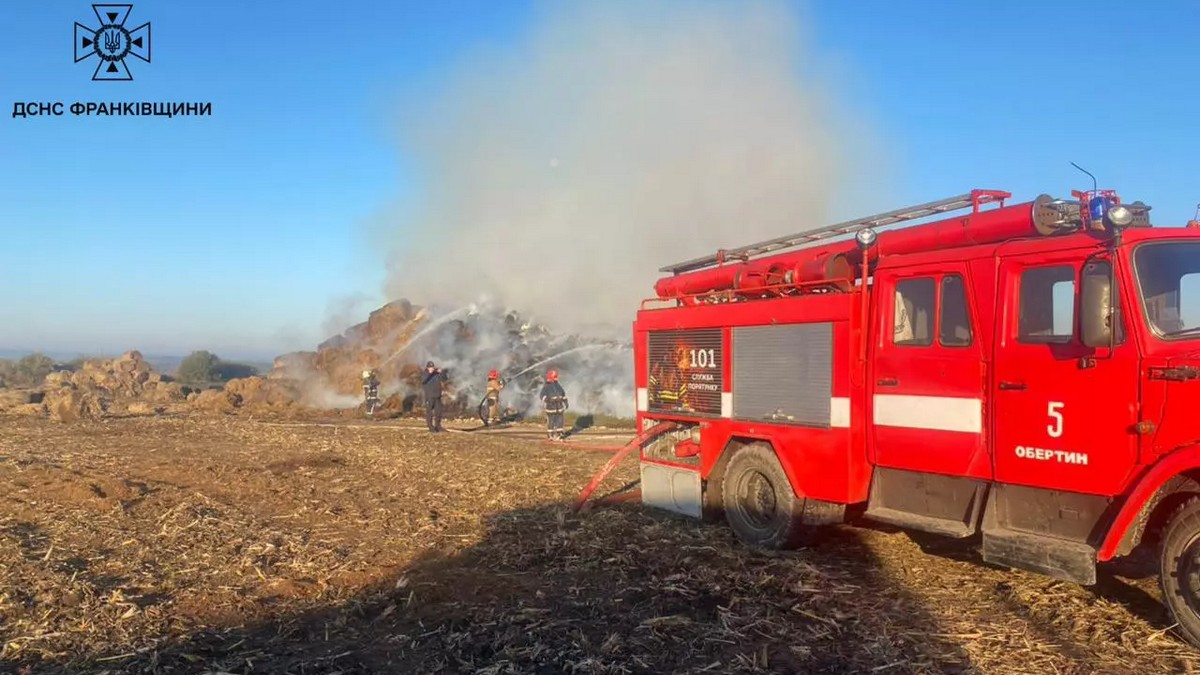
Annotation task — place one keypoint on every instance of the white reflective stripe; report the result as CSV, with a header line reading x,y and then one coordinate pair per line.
x,y
839,412
939,413
643,399
726,404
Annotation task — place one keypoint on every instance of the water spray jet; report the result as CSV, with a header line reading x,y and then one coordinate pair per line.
x,y
469,309
564,353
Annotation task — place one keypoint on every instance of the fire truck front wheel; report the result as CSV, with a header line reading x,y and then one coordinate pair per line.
x,y
759,502
1181,568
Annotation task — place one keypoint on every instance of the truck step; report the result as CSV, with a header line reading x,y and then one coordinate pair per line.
x,y
915,521
1059,558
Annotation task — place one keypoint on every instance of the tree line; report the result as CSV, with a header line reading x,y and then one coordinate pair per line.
x,y
198,368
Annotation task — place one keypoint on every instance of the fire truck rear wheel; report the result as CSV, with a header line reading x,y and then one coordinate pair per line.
x,y
759,502
1181,568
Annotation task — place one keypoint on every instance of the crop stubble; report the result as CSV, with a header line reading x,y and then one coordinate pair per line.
x,y
199,544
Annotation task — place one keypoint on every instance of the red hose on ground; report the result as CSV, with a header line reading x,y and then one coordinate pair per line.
x,y
634,495
612,463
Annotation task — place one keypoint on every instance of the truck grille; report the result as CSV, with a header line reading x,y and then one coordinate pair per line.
x,y
783,374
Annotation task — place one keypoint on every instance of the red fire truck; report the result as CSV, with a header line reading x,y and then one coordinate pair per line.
x,y
1025,373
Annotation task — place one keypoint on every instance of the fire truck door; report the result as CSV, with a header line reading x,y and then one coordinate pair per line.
x,y
1064,412
928,381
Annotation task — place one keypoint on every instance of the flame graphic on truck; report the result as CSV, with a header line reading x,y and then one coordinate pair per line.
x,y
684,371
668,379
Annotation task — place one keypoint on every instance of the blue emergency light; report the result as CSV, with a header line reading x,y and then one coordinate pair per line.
x,y
1100,205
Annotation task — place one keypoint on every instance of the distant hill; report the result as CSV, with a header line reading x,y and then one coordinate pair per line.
x,y
163,363
14,354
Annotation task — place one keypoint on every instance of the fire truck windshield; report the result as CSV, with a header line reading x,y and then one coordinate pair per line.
x,y
1168,276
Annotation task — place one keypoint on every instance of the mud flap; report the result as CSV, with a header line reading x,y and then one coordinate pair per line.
x,y
944,505
672,488
1059,558
1043,531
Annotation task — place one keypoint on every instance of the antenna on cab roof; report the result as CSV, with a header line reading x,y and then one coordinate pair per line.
x,y
1095,185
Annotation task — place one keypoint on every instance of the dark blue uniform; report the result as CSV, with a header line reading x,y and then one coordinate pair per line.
x,y
371,393
555,399
431,388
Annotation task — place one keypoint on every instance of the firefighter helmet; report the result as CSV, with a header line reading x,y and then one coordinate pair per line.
x,y
552,376
368,373
429,364
493,374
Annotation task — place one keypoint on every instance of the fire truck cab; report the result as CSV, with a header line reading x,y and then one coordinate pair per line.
x,y
1025,374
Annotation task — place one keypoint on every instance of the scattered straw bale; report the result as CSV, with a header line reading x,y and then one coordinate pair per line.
x,y
69,404
217,400
144,408
11,398
28,410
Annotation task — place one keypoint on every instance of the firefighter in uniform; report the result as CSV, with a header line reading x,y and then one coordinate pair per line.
x,y
555,399
668,382
431,389
494,385
370,390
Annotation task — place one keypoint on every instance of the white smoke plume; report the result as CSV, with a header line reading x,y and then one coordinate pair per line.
x,y
615,138
343,311
471,340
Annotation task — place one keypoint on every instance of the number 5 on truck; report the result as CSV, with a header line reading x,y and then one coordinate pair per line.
x,y
1055,429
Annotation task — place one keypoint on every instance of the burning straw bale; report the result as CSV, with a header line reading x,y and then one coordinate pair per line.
x,y
331,377
398,338
298,362
383,322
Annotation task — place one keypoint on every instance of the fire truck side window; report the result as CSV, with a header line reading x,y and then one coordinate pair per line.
x,y
1168,275
1046,311
1189,299
913,325
954,325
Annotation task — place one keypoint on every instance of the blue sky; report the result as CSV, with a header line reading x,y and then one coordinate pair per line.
x,y
244,231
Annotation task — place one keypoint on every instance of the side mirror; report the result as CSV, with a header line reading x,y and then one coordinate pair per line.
x,y
1098,312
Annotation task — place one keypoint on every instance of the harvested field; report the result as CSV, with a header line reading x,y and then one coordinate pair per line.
x,y
199,544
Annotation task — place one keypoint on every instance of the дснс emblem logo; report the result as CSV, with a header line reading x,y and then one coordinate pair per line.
x,y
112,42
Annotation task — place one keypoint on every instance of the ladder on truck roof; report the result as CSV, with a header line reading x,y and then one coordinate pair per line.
x,y
975,199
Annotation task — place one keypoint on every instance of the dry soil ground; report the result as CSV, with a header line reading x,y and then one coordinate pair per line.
x,y
230,545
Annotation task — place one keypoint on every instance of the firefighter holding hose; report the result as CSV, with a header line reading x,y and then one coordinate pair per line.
x,y
555,399
492,400
370,390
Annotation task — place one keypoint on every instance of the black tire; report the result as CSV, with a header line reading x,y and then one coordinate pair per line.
x,y
759,502
1180,575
